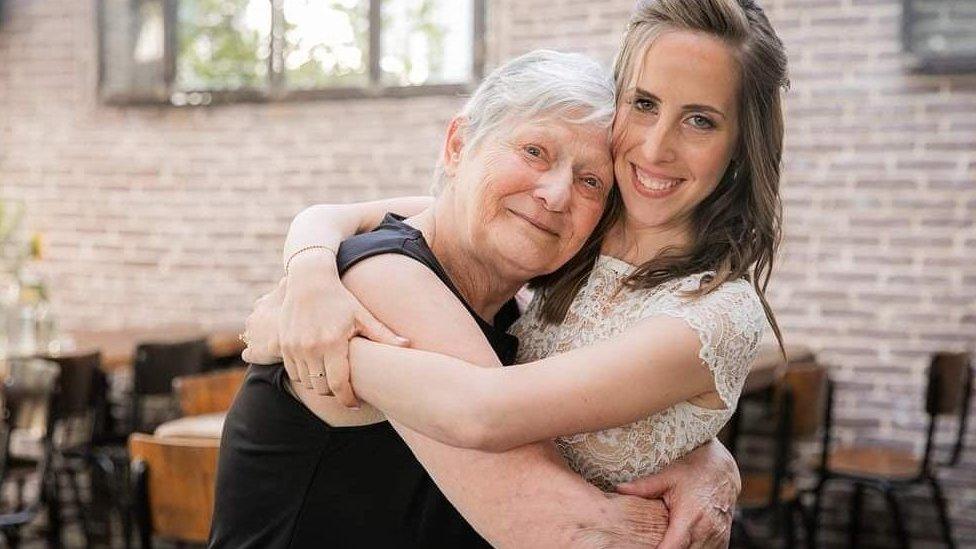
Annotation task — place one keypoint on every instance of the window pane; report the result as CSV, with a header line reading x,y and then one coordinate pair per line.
x,y
133,50
942,28
223,44
326,43
426,42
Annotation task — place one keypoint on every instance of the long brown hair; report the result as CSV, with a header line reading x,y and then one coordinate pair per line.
x,y
736,229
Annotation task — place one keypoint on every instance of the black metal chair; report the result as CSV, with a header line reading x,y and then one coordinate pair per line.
x,y
28,393
886,470
799,404
76,410
155,367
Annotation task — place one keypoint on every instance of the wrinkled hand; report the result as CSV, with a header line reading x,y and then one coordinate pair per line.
x,y
700,491
318,318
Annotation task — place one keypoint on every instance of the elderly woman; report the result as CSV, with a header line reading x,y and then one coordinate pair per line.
x,y
298,469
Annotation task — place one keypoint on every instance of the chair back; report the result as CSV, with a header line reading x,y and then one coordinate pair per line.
x,y
208,393
28,392
175,481
948,378
75,384
155,367
29,387
949,392
801,405
808,385
157,364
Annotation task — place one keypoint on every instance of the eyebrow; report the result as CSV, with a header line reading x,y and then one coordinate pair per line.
x,y
690,107
581,161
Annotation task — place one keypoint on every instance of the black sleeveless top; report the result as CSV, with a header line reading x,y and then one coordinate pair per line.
x,y
285,478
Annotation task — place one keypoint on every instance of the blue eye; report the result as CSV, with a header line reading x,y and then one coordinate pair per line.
x,y
701,122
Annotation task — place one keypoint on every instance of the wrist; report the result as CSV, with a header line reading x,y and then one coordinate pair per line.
x,y
311,259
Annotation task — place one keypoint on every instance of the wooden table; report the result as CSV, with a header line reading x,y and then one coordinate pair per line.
x,y
207,426
118,346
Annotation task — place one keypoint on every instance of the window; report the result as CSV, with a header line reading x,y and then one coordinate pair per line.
x,y
192,52
941,34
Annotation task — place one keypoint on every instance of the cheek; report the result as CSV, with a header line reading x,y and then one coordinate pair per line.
x,y
711,165
586,220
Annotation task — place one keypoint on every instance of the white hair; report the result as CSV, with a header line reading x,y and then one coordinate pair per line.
x,y
540,84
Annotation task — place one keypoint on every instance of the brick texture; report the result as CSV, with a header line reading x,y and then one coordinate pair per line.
x,y
156,214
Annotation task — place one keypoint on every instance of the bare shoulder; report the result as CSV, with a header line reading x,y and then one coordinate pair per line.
x,y
412,301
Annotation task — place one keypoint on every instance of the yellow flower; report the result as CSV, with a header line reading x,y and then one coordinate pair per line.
x,y
37,246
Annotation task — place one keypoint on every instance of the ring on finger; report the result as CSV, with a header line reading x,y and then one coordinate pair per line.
x,y
317,374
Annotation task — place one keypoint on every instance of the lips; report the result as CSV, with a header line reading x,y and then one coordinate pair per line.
x,y
542,226
654,185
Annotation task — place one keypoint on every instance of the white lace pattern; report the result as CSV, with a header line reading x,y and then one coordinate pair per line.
x,y
730,323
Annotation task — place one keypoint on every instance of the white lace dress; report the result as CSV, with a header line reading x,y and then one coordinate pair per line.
x,y
730,323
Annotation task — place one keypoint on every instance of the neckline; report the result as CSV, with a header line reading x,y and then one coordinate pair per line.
x,y
615,264
397,220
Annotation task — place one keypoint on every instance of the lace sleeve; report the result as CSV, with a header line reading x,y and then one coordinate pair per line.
x,y
730,322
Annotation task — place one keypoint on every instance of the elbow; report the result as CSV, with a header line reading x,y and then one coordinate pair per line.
x,y
477,424
314,212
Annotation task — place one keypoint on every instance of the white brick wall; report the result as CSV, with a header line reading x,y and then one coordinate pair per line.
x,y
156,214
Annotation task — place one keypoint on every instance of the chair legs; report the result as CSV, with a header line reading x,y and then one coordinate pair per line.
x,y
813,523
896,516
788,513
857,501
940,505
53,502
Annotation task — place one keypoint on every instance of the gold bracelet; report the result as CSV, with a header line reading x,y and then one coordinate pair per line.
x,y
305,249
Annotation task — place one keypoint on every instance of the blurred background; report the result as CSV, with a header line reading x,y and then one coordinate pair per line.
x,y
153,153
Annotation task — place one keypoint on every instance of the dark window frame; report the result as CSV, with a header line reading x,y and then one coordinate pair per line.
x,y
277,90
928,63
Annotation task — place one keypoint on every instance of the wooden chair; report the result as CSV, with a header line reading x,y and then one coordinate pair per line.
x,y
764,373
950,383
155,367
208,393
800,402
28,392
173,481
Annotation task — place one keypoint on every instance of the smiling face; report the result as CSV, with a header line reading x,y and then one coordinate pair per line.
x,y
676,129
528,196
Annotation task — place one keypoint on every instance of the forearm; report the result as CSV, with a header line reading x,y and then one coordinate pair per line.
x,y
330,224
527,497
434,394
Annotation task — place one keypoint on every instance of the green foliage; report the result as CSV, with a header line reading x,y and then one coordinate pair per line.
x,y
324,65
420,19
216,50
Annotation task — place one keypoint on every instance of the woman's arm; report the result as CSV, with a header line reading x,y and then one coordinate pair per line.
x,y
524,498
319,315
651,366
330,224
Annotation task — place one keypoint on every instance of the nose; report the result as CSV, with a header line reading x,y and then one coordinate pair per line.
x,y
659,146
555,188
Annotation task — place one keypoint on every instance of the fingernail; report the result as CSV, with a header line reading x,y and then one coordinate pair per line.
x,y
355,408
